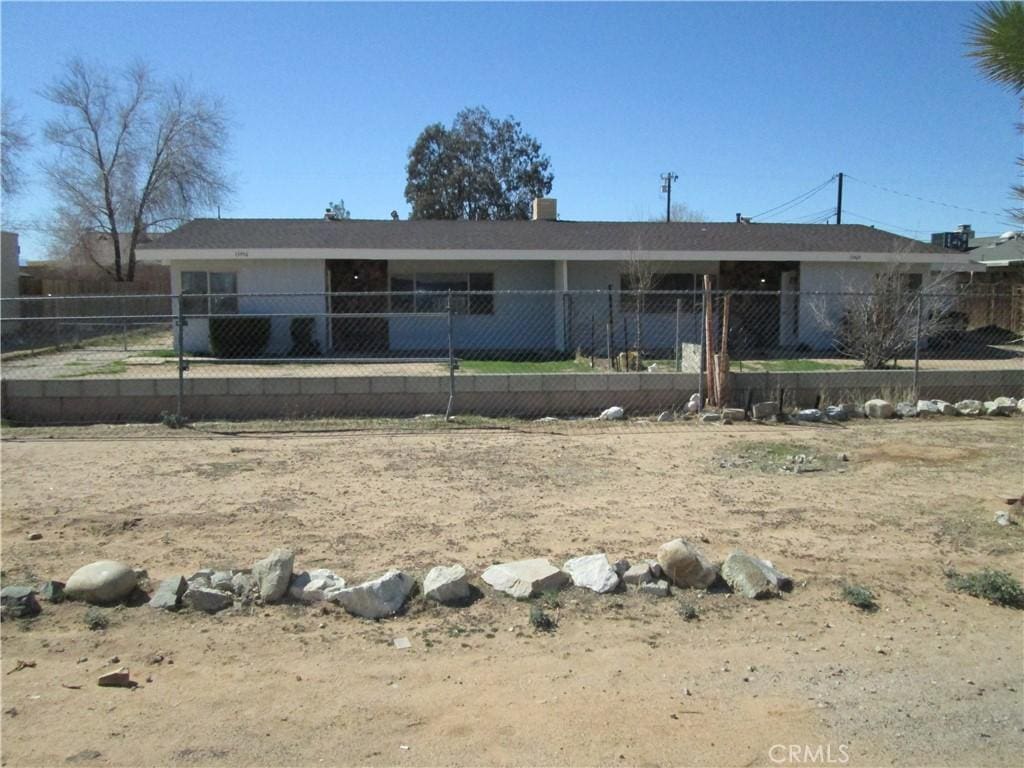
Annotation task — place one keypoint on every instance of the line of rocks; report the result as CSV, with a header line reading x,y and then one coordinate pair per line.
x,y
679,564
876,408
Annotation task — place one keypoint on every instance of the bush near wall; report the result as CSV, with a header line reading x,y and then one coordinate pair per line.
x,y
239,336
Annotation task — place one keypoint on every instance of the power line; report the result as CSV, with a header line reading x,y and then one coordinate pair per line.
x,y
796,200
885,223
922,199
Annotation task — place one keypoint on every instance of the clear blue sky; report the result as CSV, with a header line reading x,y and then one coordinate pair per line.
x,y
751,104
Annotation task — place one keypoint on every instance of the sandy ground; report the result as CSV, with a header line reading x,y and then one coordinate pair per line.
x,y
933,678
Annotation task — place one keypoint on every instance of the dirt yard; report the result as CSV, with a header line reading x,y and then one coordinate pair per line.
x,y
932,678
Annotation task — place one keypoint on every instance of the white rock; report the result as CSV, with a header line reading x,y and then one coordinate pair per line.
x,y
685,566
105,581
615,413
592,572
969,407
273,574
383,596
946,409
906,410
879,409
928,408
693,404
447,584
1002,518
312,587
1020,405
525,578
1001,406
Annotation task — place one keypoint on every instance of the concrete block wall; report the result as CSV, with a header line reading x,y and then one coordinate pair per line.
x,y
28,401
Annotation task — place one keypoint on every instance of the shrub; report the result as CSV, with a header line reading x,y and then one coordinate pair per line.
x,y
997,587
242,336
688,612
96,619
540,620
303,343
860,597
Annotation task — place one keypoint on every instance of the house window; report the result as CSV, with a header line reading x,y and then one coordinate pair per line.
x,y
407,289
196,290
681,286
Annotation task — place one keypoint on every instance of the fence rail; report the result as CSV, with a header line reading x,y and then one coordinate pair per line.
x,y
401,353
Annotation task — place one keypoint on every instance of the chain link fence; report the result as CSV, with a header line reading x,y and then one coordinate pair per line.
x,y
498,354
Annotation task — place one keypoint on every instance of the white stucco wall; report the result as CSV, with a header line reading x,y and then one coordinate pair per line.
x,y
263,277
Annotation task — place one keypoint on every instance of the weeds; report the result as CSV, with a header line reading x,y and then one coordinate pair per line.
x,y
549,599
540,621
998,587
859,597
96,619
689,612
173,420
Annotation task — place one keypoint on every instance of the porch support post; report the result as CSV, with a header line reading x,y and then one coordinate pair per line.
x,y
561,283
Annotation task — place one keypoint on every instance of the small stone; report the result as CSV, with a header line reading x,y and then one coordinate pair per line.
x,y
842,457
207,599
879,409
200,578
119,679
637,575
114,660
52,591
621,566
18,602
1002,518
168,594
447,585
402,643
222,580
273,574
35,536
592,572
654,588
693,404
101,582
525,578
765,410
615,413
685,566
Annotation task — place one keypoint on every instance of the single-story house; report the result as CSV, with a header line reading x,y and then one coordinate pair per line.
x,y
573,271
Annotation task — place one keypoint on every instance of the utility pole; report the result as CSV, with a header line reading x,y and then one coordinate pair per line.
x,y
666,186
839,201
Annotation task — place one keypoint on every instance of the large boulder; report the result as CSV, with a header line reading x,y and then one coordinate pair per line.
x,y
447,584
746,576
525,578
102,582
18,602
946,409
615,413
383,596
969,407
638,574
808,414
168,594
879,409
314,586
1001,406
906,410
928,408
836,413
734,414
273,574
592,572
685,566
765,410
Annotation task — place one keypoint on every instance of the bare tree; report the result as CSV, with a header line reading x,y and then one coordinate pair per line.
x,y
681,212
14,142
134,155
641,278
883,324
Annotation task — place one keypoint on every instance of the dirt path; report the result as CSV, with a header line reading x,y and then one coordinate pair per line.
x,y
933,678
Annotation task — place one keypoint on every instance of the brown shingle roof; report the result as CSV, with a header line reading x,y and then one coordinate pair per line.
x,y
534,235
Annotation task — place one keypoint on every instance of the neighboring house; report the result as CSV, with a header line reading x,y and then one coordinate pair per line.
x,y
9,266
398,260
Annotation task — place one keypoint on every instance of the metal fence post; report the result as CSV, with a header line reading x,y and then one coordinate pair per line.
x,y
917,345
124,323
451,362
703,349
180,322
678,352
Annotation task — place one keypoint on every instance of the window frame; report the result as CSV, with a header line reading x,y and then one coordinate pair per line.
x,y
464,300
200,303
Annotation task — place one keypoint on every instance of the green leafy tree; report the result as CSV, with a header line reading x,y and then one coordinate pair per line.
x,y
997,44
479,168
